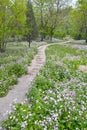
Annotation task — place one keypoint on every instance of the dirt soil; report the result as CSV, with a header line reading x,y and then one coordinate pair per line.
x,y
83,68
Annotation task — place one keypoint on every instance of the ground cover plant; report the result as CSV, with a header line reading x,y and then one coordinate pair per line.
x,y
58,97
13,64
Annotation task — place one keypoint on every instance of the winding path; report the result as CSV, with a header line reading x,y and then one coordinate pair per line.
x,y
19,91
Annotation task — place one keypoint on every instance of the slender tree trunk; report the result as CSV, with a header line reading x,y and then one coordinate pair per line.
x,y
2,47
42,36
29,44
86,35
51,34
29,41
86,39
2,42
85,23
41,19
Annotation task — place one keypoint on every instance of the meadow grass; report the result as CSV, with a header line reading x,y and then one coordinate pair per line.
x,y
13,64
58,96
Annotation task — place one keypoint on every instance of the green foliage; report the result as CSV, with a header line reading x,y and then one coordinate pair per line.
x,y
49,17
31,27
57,99
17,69
13,63
78,20
59,33
6,81
8,77
12,20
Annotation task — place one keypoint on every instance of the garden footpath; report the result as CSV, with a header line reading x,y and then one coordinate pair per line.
x,y
18,93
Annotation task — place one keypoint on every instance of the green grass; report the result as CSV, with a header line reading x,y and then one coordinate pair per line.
x,y
17,52
58,96
13,64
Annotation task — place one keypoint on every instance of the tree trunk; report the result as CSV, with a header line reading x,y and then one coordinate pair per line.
x,y
29,41
42,36
86,34
51,34
2,47
86,40
41,20
29,44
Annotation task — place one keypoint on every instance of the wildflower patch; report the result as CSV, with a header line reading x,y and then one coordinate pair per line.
x,y
58,96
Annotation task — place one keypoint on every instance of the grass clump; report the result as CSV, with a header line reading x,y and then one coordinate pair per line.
x,y
16,69
9,75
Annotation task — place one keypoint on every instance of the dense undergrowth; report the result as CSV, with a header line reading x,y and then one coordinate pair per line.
x,y
13,64
58,96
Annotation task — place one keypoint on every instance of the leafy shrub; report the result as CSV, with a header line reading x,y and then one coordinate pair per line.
x,y
60,33
3,89
6,83
17,69
8,77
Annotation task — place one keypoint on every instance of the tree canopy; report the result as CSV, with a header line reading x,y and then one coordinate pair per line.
x,y
31,27
43,18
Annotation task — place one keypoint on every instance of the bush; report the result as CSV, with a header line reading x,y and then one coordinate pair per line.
x,y
59,33
8,77
17,69
6,83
